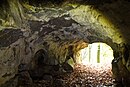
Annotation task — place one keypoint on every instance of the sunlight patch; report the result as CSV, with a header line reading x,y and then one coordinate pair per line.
x,y
97,53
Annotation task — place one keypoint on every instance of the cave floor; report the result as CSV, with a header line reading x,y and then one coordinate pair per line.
x,y
83,76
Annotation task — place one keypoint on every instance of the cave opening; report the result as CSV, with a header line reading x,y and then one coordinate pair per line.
x,y
96,53
94,64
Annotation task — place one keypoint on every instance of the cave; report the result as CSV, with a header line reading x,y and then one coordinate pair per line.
x,y
64,43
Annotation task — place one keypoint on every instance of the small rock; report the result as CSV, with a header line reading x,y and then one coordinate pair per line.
x,y
47,77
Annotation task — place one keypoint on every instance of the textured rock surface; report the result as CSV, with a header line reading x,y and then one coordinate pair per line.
x,y
47,37
11,50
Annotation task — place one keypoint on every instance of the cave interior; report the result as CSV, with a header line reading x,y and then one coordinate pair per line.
x,y
64,43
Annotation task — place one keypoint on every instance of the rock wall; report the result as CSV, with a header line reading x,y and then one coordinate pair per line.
x,y
54,35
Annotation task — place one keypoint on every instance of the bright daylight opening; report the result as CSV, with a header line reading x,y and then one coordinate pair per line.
x,y
95,65
97,53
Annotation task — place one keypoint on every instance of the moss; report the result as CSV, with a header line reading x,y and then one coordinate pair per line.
x,y
71,62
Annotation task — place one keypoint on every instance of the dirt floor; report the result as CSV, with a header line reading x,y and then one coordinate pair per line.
x,y
83,76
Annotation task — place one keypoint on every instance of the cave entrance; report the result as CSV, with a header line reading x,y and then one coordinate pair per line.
x,y
96,53
95,65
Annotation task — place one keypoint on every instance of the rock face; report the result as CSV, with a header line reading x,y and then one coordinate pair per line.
x,y
11,51
38,42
